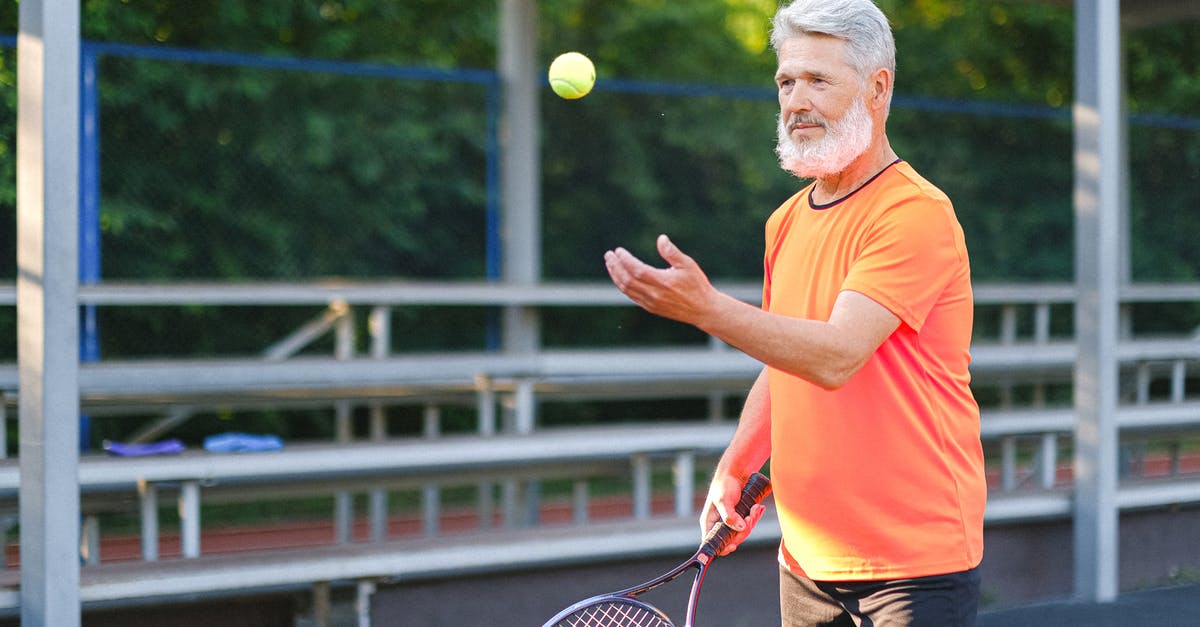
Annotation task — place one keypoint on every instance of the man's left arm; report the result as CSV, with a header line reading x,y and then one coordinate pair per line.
x,y
824,352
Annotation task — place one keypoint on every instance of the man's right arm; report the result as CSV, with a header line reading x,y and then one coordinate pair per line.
x,y
749,449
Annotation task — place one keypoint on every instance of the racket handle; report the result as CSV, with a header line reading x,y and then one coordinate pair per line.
x,y
755,489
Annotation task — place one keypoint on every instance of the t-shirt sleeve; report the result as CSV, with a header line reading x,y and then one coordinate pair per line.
x,y
908,258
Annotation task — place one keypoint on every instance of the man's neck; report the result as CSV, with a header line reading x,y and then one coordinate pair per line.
x,y
864,168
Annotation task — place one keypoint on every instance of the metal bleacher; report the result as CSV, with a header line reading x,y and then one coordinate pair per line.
x,y
510,455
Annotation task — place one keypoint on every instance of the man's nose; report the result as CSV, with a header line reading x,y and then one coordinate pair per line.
x,y
796,101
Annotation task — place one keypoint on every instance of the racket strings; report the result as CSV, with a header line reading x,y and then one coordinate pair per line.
x,y
615,614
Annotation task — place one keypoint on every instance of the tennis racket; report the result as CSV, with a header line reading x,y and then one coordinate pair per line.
x,y
624,609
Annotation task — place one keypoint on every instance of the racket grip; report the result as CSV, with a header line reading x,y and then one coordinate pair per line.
x,y
755,489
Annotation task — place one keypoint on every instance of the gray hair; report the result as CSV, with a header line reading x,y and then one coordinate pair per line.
x,y
868,35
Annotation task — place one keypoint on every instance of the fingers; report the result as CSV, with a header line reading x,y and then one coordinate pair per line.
x,y
718,508
680,292
671,253
747,524
624,269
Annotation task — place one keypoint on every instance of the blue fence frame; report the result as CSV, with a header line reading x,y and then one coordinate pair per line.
x,y
90,263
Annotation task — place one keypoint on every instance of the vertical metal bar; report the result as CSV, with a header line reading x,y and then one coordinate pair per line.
x,y
343,500
685,482
1101,201
1008,325
378,497
189,518
90,546
3,425
362,602
47,184
1041,323
431,509
579,501
525,406
343,517
148,503
1173,451
485,405
344,340
378,430
533,502
1142,383
487,504
6,525
1178,380
379,515
1049,460
322,604
1008,463
379,325
343,414
485,401
641,486
432,418
510,495
520,166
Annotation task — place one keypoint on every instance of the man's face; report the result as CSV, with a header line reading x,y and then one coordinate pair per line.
x,y
824,123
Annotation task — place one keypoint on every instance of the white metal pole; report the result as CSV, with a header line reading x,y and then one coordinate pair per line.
x,y
520,165
1100,197
48,91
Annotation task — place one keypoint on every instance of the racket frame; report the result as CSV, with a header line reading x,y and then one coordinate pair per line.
x,y
756,488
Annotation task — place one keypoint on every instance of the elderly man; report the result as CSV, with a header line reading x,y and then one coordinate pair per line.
x,y
863,407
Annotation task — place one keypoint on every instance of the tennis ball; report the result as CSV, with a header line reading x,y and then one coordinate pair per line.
x,y
572,75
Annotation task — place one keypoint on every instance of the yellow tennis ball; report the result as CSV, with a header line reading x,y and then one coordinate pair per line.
x,y
572,75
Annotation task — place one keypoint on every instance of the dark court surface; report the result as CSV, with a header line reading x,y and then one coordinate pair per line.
x,y
740,591
1175,606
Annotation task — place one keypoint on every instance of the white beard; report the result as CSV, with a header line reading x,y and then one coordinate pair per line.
x,y
844,140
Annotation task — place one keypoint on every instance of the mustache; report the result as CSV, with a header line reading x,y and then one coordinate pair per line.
x,y
796,119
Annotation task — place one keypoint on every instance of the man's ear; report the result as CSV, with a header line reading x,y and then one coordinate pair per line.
x,y
880,88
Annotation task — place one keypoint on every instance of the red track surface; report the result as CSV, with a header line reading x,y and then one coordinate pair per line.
x,y
320,532
299,534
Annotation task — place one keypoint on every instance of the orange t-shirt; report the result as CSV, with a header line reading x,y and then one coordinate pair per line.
x,y
882,478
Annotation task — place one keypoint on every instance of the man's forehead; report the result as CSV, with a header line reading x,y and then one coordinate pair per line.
x,y
813,48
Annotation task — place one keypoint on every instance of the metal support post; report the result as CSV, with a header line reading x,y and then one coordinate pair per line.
x,y
685,483
579,501
520,166
641,486
90,546
148,501
362,603
1101,191
189,518
47,186
322,604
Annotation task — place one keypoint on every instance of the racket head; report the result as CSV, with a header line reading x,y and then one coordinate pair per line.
x,y
610,611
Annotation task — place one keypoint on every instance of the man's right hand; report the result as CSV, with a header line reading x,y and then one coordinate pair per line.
x,y
723,495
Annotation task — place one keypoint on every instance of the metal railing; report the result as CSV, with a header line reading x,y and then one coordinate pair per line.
x,y
509,452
